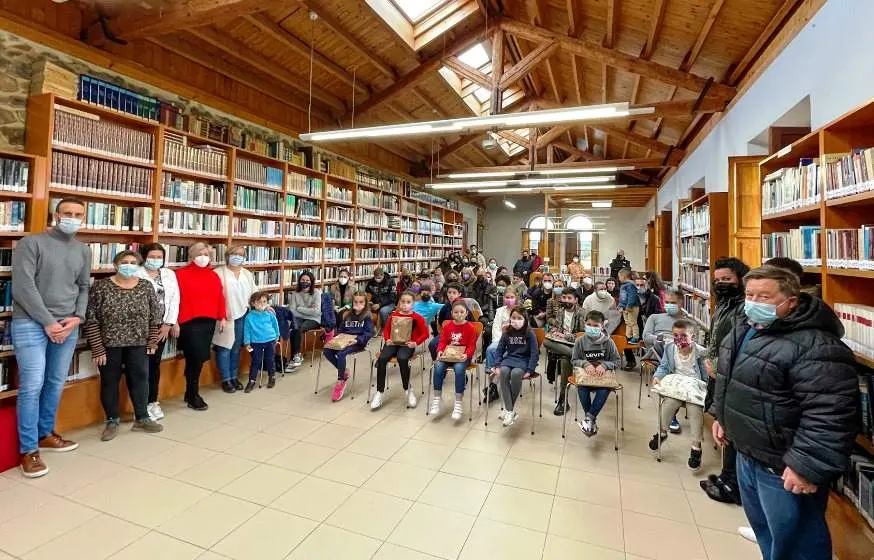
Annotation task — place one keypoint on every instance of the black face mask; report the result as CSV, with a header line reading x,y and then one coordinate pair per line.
x,y
426,298
304,285
567,304
726,289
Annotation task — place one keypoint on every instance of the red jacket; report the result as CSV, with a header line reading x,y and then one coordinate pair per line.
x,y
420,329
459,335
200,294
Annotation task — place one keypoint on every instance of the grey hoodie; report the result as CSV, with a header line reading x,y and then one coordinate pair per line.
x,y
595,351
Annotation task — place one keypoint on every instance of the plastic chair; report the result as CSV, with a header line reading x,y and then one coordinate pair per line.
x,y
622,344
419,353
620,415
478,328
541,335
647,370
354,356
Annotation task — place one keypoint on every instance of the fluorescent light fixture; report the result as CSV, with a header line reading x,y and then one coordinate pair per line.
x,y
543,181
535,173
509,204
547,189
486,122
602,204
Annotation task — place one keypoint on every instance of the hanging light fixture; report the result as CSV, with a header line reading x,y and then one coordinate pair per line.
x,y
509,204
522,182
559,188
486,122
535,173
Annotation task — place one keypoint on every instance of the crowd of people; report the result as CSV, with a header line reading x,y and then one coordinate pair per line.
x,y
774,375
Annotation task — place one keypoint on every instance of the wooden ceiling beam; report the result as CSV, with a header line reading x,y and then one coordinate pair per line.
x,y
495,105
527,64
753,52
571,10
692,55
180,15
515,138
634,138
538,17
617,59
344,35
612,23
516,54
655,27
550,135
469,72
637,163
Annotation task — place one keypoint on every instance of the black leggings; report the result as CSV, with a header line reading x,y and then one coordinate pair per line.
x,y
296,336
136,372
155,371
195,340
403,354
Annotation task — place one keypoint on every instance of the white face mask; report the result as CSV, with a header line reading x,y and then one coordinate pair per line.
x,y
202,261
587,281
343,281
547,285
602,294
576,259
517,323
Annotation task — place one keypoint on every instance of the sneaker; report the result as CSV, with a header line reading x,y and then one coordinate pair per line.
x,y
436,405
654,442
31,466
747,533
694,459
109,431
491,394
228,387
339,390
148,425
594,425
54,442
510,418
561,408
291,366
585,427
297,360
250,386
633,340
377,400
197,403
271,382
502,414
412,401
155,412
457,410
675,426
237,385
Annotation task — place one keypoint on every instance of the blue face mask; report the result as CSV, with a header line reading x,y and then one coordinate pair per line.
x,y
154,264
69,225
558,290
126,270
671,308
761,313
593,332
236,260
641,291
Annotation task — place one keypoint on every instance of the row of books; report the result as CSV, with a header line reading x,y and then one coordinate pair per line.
x,y
5,294
801,244
105,216
290,276
695,278
435,228
193,193
391,254
364,177
262,255
5,335
850,248
304,231
341,214
201,158
695,221
697,308
14,174
367,253
302,184
267,278
253,227
391,203
97,92
339,193
848,174
390,236
303,254
371,219
6,381
183,222
338,233
257,172
368,198
367,235
858,322
310,209
858,481
76,129
338,254
103,253
13,215
258,200
791,188
695,250
408,207
97,176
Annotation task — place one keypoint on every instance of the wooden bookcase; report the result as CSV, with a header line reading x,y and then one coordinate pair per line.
x,y
663,262
745,209
650,246
412,233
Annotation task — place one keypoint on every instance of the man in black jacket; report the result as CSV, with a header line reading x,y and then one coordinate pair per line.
x,y
619,263
382,293
522,268
728,273
787,396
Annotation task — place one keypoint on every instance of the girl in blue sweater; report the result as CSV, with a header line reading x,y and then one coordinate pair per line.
x,y
517,357
260,334
357,322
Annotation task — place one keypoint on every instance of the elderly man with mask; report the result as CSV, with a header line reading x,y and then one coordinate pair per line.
x,y
619,263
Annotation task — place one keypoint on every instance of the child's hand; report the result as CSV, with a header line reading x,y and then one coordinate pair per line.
x,y
496,372
600,370
439,356
709,367
249,348
589,369
464,357
655,381
411,344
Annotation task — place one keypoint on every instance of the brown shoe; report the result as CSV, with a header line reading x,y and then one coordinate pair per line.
x,y
31,465
54,442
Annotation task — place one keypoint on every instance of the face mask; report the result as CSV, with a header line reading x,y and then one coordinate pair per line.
x,y
465,276
304,285
69,225
343,281
587,281
501,289
726,289
517,323
547,286
154,264
567,304
236,260
602,294
473,251
576,259
619,255
593,332
493,266
426,297
761,313
641,291
510,302
452,279
672,308
126,270
575,285
202,261
558,290
415,289
358,308
524,257
682,341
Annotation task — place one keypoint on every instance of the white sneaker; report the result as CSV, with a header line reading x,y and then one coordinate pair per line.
x,y
436,404
510,418
154,410
502,415
412,401
747,533
297,360
457,410
377,400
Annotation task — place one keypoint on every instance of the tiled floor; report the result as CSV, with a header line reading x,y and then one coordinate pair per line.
x,y
286,474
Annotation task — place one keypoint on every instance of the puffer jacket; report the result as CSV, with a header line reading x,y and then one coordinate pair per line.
x,y
729,314
484,294
790,396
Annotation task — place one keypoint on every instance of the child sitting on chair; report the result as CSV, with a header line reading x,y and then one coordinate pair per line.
x,y
682,357
260,334
596,354
358,322
402,352
458,332
515,359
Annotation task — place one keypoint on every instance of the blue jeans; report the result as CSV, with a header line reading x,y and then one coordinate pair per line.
x,y
384,312
491,354
338,358
593,406
228,359
787,526
42,369
440,375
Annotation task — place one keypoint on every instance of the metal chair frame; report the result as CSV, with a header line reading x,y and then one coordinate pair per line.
x,y
419,353
354,356
620,413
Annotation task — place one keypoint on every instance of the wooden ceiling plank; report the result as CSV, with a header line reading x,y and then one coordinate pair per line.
x,y
702,35
658,17
753,52
576,75
638,163
616,59
572,23
538,17
550,135
634,138
181,15
469,72
612,23
527,64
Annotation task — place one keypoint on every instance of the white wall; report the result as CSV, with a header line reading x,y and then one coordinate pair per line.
x,y
829,60
469,212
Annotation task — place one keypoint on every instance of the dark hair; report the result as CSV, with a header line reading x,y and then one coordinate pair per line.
x,y
611,279
683,324
571,292
676,293
519,309
256,296
126,253
786,263
504,278
364,312
454,286
342,270
312,280
69,200
734,264
407,293
595,315
460,304
654,281
149,247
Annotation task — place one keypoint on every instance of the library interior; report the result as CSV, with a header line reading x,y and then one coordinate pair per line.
x,y
244,242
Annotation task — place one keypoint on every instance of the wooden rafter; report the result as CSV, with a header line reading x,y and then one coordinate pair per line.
x,y
516,54
497,71
634,138
617,59
552,134
527,64
692,56
782,13
469,72
612,23
537,17
655,26
571,10
183,14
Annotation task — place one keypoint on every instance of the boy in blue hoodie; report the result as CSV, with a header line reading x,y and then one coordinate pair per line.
x,y
260,334
629,304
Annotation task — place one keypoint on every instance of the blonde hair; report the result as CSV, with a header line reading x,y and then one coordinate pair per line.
x,y
196,248
234,249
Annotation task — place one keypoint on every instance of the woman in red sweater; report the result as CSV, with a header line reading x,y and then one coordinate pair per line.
x,y
457,333
201,305
402,352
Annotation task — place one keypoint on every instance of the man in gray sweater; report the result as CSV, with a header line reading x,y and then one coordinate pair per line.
x,y
50,280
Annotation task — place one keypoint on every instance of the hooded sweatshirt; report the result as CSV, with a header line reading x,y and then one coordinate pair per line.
x,y
517,350
360,327
594,303
595,351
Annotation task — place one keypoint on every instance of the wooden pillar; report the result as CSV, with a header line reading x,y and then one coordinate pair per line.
x,y
497,71
545,255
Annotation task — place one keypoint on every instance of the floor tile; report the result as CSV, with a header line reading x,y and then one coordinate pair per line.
x,y
444,431
416,531
398,479
71,472
519,507
313,498
331,542
589,487
209,520
258,420
349,468
27,531
656,500
294,427
456,493
390,551
661,539
402,425
560,548
178,458
98,538
260,447
22,499
377,444
370,513
548,452
217,471
334,436
487,442
587,522
268,535
302,457
493,539
222,438
594,460
473,464
158,546
728,546
539,477
423,454
263,484
714,515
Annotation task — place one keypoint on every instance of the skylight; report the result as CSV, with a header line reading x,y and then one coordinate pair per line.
x,y
482,94
474,95
416,10
476,56
418,22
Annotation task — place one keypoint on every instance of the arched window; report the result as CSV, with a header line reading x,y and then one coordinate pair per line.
x,y
537,222
584,238
535,233
578,222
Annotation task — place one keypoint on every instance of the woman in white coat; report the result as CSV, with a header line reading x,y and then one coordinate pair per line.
x,y
239,285
163,280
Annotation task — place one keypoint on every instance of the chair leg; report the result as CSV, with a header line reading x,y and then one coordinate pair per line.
x,y
659,438
531,386
541,396
618,412
487,406
282,358
313,349
430,380
370,383
640,386
318,375
564,416
422,374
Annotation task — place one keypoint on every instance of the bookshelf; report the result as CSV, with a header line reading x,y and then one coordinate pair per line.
x,y
650,246
745,209
663,261
703,238
175,187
